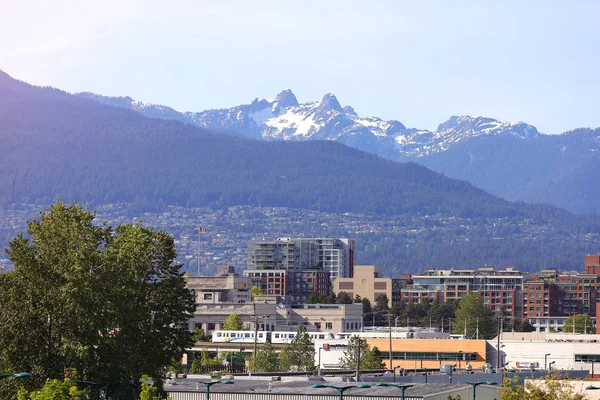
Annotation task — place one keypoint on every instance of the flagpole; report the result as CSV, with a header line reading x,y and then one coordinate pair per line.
x,y
199,230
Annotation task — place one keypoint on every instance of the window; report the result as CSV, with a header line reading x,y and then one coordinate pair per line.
x,y
328,325
318,325
208,296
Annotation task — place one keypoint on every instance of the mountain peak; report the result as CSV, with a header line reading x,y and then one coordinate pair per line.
x,y
286,99
469,126
330,102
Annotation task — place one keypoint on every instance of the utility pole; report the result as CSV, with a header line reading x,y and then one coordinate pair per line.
x,y
498,350
390,326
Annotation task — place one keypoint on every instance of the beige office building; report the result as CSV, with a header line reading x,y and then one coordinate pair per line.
x,y
367,283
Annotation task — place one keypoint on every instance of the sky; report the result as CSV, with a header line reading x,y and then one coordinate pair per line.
x,y
418,62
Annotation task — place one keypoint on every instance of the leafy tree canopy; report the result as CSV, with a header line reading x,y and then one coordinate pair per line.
x,y
344,298
233,323
317,298
198,335
299,355
552,387
578,323
358,355
257,291
476,315
109,303
266,359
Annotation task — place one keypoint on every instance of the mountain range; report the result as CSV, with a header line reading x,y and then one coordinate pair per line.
x,y
59,146
510,160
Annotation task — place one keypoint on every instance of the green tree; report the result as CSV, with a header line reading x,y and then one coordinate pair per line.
x,y
149,391
266,359
198,335
286,359
233,323
256,291
55,389
521,325
381,302
476,315
366,303
357,348
580,322
344,298
110,303
372,359
316,298
299,355
551,387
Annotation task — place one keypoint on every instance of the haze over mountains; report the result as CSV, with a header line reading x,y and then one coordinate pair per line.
x,y
57,145
510,160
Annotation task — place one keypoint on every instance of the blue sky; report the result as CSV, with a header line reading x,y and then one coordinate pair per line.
x,y
415,61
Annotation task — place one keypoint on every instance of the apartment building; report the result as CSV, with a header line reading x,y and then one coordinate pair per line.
x,y
501,290
297,267
334,255
560,294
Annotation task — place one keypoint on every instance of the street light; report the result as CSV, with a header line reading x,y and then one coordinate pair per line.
x,y
546,361
475,384
401,387
209,384
341,389
256,317
550,365
17,375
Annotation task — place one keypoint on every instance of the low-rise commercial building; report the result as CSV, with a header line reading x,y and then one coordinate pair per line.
x,y
411,354
543,350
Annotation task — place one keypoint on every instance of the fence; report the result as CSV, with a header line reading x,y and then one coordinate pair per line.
x,y
183,395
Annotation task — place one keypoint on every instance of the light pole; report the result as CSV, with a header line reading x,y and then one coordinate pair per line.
x,y
475,384
390,327
256,317
319,370
209,384
550,365
401,387
341,389
546,361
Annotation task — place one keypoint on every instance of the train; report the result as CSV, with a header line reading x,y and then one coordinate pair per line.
x,y
221,336
265,336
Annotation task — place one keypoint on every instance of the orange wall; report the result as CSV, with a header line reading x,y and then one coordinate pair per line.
x,y
431,346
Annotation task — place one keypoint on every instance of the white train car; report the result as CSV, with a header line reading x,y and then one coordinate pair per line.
x,y
240,336
287,337
371,335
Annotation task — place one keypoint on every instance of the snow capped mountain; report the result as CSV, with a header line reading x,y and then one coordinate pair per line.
x,y
459,129
149,110
284,118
